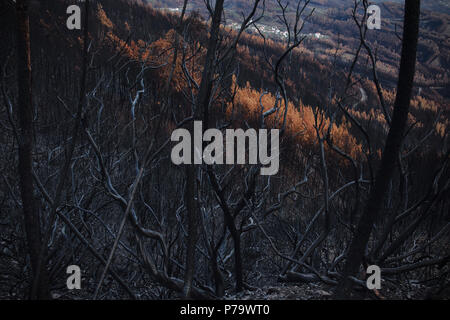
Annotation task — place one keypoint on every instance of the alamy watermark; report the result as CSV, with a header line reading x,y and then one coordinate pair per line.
x,y
374,17
74,19
74,280
374,281
229,149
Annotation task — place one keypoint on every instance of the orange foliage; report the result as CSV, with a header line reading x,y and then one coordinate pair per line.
x,y
103,18
300,121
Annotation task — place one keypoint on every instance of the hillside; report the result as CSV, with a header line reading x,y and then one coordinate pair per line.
x,y
94,112
332,19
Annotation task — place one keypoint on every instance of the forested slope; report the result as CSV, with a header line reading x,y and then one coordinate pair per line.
x,y
145,70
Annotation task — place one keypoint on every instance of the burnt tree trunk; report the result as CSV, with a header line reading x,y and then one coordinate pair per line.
x,y
25,168
204,95
200,113
193,220
391,149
